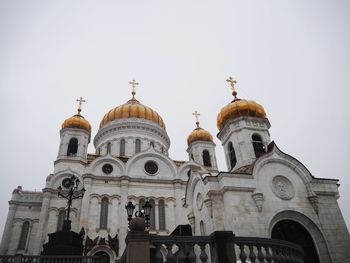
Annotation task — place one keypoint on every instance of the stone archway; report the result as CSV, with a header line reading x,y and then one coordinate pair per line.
x,y
292,231
284,223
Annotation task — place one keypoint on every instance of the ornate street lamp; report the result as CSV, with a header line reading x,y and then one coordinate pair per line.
x,y
71,184
141,215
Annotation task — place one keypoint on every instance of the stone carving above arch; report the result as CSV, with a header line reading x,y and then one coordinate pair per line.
x,y
282,187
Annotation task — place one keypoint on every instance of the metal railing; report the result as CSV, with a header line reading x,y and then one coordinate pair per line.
x,y
50,259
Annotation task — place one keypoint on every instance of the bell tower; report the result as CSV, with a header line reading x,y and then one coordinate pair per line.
x,y
201,147
75,136
243,130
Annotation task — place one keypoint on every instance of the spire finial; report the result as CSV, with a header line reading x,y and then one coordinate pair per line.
x,y
196,114
80,102
233,83
133,84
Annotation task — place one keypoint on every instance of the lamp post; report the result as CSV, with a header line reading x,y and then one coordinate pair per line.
x,y
144,214
71,184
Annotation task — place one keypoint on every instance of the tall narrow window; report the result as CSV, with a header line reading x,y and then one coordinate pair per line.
x,y
137,146
122,147
202,228
151,144
109,148
24,235
72,147
258,145
161,212
206,158
141,203
98,152
60,219
104,213
152,221
232,155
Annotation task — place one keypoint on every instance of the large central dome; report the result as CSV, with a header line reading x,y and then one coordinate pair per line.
x,y
132,109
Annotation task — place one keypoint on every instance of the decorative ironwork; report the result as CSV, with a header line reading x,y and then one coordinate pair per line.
x,y
71,184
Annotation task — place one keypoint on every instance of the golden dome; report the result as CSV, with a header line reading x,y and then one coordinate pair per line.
x,y
199,134
132,109
238,108
77,121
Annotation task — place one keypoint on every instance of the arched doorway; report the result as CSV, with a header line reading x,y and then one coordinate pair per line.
x,y
292,231
104,256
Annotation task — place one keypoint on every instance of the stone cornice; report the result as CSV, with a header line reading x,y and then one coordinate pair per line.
x,y
70,160
230,189
134,180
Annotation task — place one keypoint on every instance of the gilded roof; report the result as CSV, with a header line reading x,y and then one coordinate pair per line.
x,y
199,134
77,121
238,108
132,109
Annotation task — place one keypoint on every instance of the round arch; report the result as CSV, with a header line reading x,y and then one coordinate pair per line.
x,y
301,222
100,250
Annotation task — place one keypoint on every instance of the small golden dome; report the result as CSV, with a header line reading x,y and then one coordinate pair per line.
x,y
238,108
199,134
132,109
77,121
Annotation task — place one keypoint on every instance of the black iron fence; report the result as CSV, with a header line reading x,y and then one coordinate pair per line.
x,y
50,259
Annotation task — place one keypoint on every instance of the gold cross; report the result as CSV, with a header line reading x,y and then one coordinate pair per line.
x,y
80,100
196,114
233,83
133,84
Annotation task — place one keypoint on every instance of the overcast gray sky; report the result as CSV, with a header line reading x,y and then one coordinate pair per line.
x,y
293,57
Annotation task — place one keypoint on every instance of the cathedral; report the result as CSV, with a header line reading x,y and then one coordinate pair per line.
x,y
263,192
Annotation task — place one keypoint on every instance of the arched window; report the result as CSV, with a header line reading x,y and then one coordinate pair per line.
x,y
109,148
258,145
162,149
192,158
24,235
152,221
72,147
104,213
206,158
151,144
137,146
202,228
60,219
161,212
141,203
232,155
122,147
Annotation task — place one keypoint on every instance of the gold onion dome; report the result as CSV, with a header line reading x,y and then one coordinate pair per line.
x,y
199,134
132,109
77,121
238,108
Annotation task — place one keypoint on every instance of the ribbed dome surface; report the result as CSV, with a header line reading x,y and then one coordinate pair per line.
x,y
238,108
77,121
132,109
199,134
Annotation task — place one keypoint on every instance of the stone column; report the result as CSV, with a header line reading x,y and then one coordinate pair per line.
x,y
42,222
156,214
123,217
85,204
7,230
178,210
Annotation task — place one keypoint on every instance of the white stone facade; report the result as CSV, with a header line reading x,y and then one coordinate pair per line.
x,y
249,200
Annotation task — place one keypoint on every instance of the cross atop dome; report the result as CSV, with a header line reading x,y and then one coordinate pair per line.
x,y
133,84
233,83
80,102
196,114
